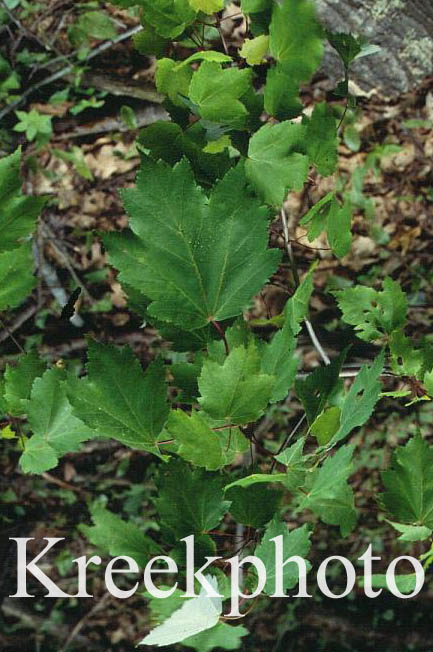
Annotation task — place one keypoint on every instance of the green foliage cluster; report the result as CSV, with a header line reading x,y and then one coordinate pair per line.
x,y
193,257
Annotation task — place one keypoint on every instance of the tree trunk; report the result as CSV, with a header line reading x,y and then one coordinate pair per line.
x,y
402,28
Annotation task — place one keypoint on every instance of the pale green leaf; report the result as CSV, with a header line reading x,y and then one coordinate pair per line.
x,y
254,50
195,616
276,161
412,533
325,425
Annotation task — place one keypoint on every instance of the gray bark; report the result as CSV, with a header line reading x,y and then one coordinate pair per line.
x,y
402,28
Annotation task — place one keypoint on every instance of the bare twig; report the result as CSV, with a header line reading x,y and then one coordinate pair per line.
x,y
79,626
18,322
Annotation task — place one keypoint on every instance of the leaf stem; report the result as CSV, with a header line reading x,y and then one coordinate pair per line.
x,y
223,336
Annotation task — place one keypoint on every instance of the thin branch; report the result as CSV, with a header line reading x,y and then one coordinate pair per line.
x,y
64,71
11,335
222,335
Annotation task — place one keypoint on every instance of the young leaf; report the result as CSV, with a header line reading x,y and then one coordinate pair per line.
x,y
328,494
197,260
373,313
276,161
295,542
411,533
118,400
325,425
54,426
189,501
172,80
235,392
254,50
217,92
207,6
408,495
112,534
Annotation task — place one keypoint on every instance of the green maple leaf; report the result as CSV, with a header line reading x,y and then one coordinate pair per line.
x,y
112,534
190,501
361,399
19,380
198,443
254,505
276,161
373,313
18,212
296,38
235,392
328,494
408,495
168,17
295,542
281,95
198,260
172,80
217,92
55,429
16,276
118,400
